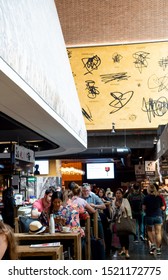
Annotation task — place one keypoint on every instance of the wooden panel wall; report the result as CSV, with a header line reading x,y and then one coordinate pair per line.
x,y
95,22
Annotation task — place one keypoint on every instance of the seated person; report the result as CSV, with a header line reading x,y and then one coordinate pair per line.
x,y
63,215
42,204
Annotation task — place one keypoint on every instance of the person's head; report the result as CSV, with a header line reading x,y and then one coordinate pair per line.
x,y
36,166
56,200
76,190
136,187
36,172
85,190
109,194
119,193
9,191
7,236
71,185
63,188
152,189
7,194
48,195
101,193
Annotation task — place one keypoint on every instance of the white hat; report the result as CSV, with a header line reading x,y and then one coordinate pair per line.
x,y
36,227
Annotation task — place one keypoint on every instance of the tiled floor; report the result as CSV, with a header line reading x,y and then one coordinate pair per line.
x,y
140,251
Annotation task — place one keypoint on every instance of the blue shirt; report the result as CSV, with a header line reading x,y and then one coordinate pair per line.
x,y
95,199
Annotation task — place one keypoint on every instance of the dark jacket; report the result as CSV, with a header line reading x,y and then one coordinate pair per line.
x,y
9,203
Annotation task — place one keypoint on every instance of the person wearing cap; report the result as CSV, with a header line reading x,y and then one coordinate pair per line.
x,y
153,206
42,204
96,203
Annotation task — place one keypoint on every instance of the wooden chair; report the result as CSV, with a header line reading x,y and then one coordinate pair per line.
x,y
87,236
25,251
22,223
95,224
88,233
17,225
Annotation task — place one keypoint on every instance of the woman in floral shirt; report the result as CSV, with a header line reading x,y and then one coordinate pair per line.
x,y
63,215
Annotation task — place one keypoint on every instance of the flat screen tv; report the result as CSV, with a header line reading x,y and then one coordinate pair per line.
x,y
100,170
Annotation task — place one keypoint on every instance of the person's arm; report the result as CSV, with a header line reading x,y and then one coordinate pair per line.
x,y
143,207
89,208
128,207
106,202
163,207
144,204
35,213
98,203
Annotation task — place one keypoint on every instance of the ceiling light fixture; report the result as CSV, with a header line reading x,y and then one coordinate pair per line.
x,y
7,142
155,140
113,128
32,141
6,150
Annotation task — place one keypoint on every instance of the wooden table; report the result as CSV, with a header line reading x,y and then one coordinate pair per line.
x,y
74,238
26,251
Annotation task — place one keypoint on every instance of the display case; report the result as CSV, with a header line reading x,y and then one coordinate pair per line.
x,y
28,187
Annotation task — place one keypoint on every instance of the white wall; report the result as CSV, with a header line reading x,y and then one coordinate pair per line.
x,y
32,45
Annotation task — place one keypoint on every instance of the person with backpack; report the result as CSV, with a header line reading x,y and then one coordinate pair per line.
x,y
135,199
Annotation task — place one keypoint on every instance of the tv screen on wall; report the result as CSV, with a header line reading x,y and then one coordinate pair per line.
x,y
100,170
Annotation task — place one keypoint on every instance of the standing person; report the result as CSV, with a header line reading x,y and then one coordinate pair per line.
x,y
7,243
79,201
9,204
102,195
136,198
153,206
105,216
42,204
36,172
67,192
128,190
121,207
96,203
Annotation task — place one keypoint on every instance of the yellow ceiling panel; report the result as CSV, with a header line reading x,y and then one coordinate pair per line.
x,y
124,84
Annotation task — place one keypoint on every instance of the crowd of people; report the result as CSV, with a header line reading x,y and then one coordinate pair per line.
x,y
145,206
73,205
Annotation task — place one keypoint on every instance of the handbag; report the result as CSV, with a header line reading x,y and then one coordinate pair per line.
x,y
125,225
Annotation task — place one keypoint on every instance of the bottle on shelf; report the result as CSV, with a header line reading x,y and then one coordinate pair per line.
x,y
51,224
